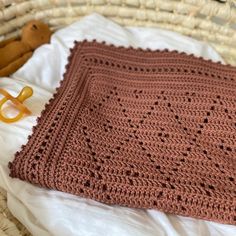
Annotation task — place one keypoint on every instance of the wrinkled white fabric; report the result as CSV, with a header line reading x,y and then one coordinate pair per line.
x,y
45,212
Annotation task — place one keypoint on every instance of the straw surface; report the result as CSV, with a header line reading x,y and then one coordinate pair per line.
x,y
206,20
9,225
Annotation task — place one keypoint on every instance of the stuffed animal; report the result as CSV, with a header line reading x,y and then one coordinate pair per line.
x,y
15,52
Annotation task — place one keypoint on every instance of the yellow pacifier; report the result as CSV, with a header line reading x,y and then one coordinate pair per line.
x,y
25,93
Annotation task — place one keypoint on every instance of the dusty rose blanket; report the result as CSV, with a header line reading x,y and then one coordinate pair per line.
x,y
145,129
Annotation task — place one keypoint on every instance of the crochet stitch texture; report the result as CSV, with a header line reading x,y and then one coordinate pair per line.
x,y
139,128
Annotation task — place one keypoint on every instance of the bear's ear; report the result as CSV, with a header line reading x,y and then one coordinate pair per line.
x,y
35,33
34,27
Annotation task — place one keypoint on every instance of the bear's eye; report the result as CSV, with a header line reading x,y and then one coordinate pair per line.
x,y
34,27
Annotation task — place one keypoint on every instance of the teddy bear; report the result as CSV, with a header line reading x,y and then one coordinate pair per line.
x,y
15,52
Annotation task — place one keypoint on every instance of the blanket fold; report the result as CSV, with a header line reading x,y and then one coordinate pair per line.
x,y
139,128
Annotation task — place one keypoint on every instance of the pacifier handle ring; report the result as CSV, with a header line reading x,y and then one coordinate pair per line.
x,y
7,119
25,93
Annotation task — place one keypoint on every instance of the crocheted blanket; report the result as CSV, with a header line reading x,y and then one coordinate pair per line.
x,y
139,128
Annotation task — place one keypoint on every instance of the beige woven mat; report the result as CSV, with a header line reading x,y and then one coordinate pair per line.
x,y
9,225
207,20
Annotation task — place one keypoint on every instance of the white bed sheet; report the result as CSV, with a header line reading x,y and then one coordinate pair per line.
x,y
46,212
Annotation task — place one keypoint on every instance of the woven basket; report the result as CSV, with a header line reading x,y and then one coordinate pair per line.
x,y
9,225
207,20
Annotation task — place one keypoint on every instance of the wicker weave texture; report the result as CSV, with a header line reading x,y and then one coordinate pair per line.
x,y
206,20
9,225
